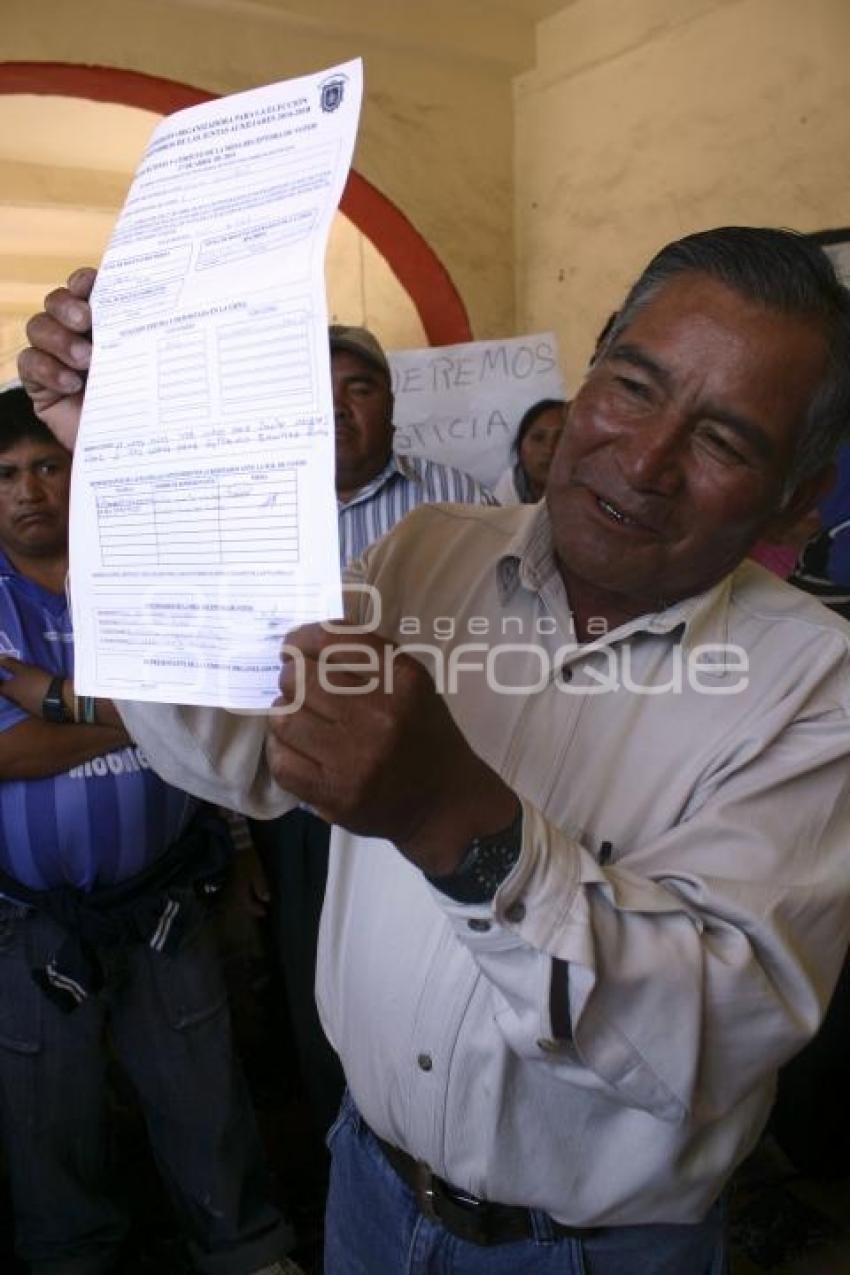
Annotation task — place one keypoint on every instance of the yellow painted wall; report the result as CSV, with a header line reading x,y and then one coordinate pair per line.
x,y
646,119
436,134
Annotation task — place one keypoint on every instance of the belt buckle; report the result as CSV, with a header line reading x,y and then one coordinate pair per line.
x,y
424,1190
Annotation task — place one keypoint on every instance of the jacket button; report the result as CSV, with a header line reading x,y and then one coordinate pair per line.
x,y
425,1061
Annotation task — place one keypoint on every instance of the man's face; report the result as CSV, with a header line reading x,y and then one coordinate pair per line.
x,y
34,484
363,409
678,446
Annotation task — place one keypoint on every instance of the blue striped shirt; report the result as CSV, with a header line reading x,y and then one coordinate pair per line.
x,y
97,823
404,483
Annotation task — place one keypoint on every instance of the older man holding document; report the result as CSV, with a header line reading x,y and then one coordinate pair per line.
x,y
589,883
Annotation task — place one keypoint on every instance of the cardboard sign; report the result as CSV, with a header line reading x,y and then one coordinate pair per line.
x,y
461,404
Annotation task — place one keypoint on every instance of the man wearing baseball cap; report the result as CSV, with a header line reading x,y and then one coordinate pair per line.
x,y
375,489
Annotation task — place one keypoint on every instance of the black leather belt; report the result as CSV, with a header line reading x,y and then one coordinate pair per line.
x,y
464,1215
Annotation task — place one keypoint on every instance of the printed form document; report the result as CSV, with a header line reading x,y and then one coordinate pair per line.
x,y
204,516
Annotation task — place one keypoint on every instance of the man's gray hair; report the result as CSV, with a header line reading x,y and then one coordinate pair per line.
x,y
781,270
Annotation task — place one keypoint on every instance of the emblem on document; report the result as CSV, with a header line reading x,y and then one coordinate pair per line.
x,y
332,92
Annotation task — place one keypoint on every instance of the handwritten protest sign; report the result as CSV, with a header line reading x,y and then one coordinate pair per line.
x,y
461,404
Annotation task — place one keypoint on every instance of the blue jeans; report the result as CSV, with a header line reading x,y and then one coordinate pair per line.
x,y
374,1227
169,1023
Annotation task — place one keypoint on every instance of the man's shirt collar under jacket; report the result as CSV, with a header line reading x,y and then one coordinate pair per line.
x,y
395,465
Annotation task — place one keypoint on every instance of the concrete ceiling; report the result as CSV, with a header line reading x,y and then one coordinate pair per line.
x,y
496,31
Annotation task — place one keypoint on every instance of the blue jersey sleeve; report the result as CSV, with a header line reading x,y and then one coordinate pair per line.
x,y
11,643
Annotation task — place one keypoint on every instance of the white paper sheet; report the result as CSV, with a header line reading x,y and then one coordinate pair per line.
x,y
461,404
203,510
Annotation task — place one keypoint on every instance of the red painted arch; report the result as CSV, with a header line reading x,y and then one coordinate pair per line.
x,y
412,260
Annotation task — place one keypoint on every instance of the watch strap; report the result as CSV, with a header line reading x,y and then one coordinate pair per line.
x,y
52,707
488,861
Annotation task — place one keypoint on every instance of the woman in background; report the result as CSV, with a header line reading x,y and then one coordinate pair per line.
x,y
532,451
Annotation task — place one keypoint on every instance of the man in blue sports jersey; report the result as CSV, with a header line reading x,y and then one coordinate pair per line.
x,y
104,872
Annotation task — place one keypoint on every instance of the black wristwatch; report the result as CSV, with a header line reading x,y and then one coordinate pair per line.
x,y
52,707
486,864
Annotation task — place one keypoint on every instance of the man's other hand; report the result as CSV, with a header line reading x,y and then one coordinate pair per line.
x,y
53,369
362,735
